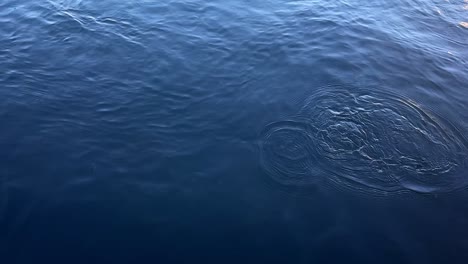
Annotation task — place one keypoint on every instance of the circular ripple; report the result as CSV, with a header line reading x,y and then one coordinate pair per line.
x,y
385,142
287,153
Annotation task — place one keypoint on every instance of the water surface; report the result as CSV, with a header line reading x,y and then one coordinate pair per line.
x,y
241,130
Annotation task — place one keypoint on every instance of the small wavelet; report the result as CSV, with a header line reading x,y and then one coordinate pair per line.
x,y
376,140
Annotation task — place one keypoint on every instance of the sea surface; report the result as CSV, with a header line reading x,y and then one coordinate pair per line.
x,y
235,131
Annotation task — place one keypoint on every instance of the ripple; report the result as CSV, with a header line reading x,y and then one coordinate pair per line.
x,y
288,154
378,140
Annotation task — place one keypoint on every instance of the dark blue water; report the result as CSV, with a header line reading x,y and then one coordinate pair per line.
x,y
233,131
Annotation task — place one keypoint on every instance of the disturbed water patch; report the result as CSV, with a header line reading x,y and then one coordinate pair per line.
x,y
288,153
373,140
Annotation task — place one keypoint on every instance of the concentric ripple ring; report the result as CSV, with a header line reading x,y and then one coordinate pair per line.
x,y
287,152
375,140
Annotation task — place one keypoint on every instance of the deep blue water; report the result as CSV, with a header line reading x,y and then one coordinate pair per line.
x,y
238,131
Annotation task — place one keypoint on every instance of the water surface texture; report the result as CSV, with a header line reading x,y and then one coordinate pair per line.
x,y
381,141
233,131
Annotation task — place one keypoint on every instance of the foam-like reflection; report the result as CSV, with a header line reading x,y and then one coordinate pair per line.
x,y
377,140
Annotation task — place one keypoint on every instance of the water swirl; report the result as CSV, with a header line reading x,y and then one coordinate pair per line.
x,y
373,139
288,153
